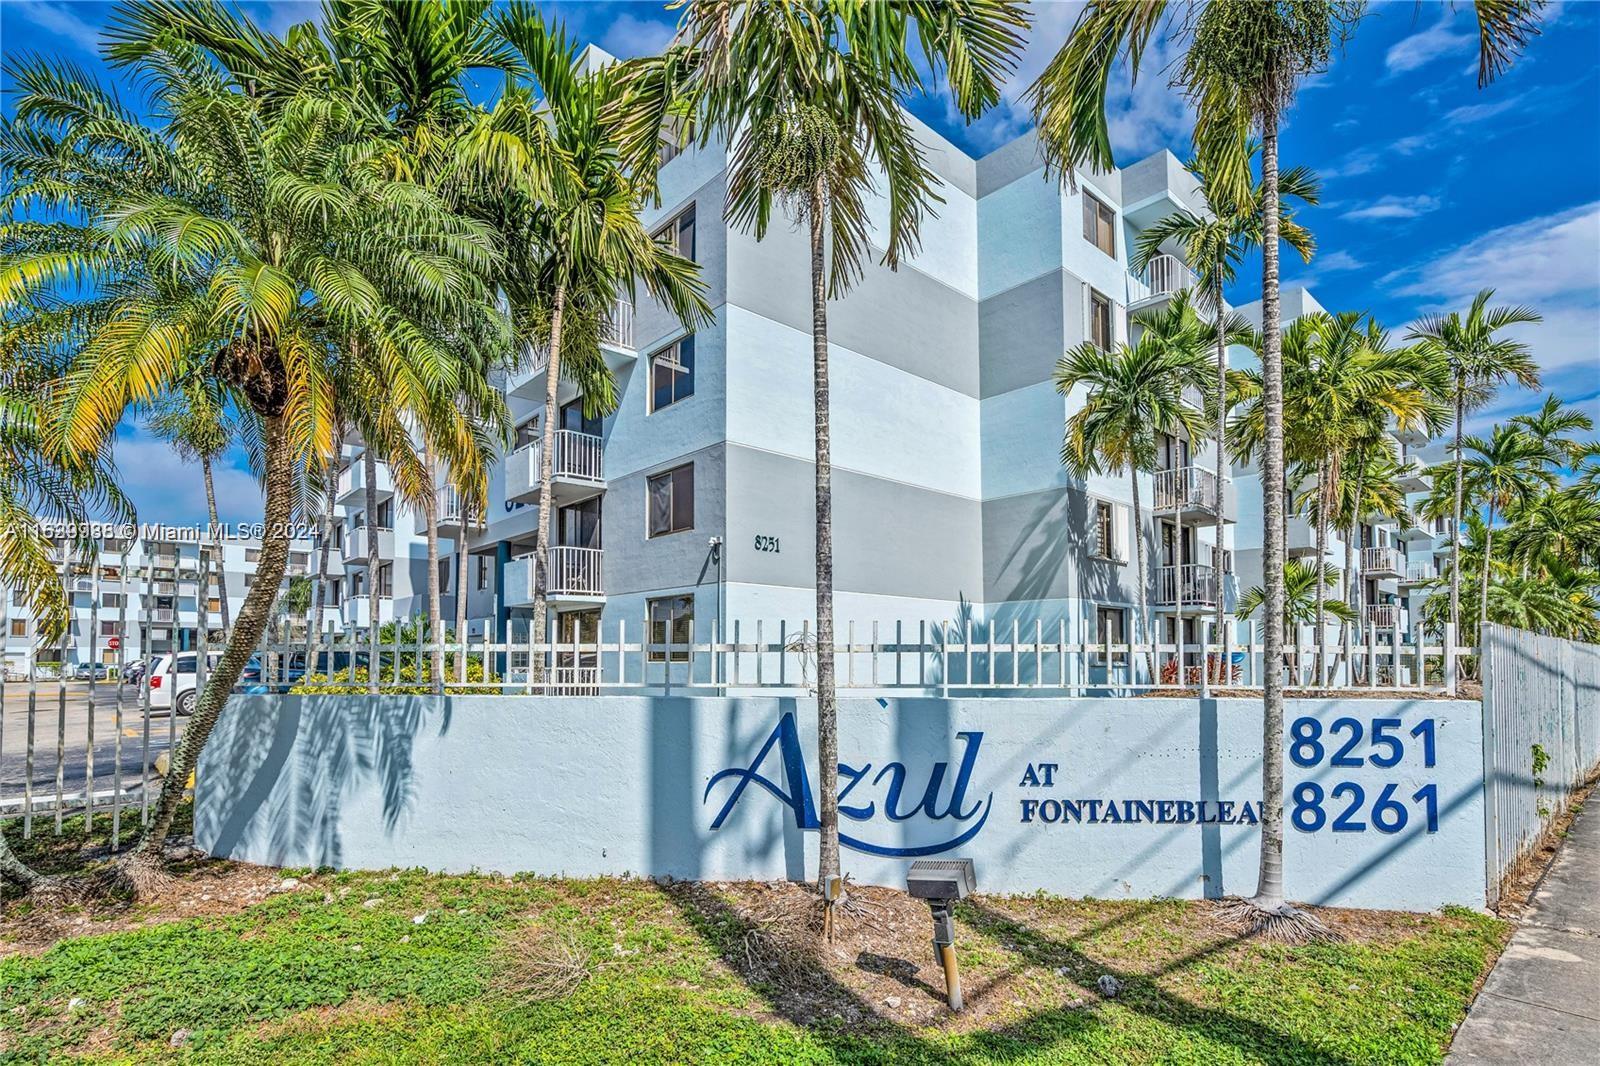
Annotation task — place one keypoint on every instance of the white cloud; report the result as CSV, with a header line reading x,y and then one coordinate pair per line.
x,y
165,489
1470,113
1365,160
1420,49
630,36
59,22
1310,274
1394,207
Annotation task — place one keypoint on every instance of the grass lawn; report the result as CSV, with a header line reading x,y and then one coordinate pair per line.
x,y
413,967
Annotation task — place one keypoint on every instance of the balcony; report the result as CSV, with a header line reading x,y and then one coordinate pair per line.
x,y
357,611
616,345
1164,276
1190,585
1189,492
1380,562
575,577
1414,476
448,520
1384,615
577,473
352,489
160,614
356,546
1418,573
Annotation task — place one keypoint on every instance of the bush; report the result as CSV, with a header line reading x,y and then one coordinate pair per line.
x,y
413,682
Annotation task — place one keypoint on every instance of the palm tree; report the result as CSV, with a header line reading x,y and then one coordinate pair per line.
x,y
1478,362
807,93
1213,246
234,243
1370,486
574,250
1501,472
1563,525
1553,426
193,420
1243,61
1302,595
1134,394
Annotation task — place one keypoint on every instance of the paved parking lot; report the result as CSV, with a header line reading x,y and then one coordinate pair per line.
x,y
60,737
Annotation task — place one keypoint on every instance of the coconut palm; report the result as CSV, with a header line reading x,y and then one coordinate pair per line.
x,y
1500,472
192,418
1243,61
574,250
1478,361
807,96
1561,524
1302,596
1553,426
1132,394
1213,246
257,249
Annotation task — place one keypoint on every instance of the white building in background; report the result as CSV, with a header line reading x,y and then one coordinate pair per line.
x,y
144,595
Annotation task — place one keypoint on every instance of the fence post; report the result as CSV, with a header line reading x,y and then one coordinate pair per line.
x,y
1205,667
1450,668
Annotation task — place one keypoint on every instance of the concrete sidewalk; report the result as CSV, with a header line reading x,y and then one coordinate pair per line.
x,y
1542,1002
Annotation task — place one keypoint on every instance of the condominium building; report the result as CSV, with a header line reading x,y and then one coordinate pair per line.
x,y
143,595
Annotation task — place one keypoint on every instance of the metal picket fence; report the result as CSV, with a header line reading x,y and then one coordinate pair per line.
x,y
1541,738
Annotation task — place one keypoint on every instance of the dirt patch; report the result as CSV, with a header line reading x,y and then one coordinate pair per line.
x,y
199,887
1529,870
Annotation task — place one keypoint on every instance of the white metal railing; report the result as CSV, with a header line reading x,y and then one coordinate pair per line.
x,y
575,572
161,614
1421,572
1190,583
1186,488
1380,561
1163,276
1383,615
578,457
617,327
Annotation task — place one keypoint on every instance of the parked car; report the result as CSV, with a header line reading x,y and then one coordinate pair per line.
x,y
132,672
172,678
90,672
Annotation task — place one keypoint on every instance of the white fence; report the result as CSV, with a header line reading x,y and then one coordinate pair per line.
x,y
1541,738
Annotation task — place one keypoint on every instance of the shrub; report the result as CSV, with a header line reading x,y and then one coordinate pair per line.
x,y
412,682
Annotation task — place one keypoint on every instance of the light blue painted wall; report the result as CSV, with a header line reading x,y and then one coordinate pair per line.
x,y
616,786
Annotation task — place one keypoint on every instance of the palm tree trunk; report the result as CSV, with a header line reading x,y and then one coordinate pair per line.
x,y
369,467
319,598
1322,565
430,516
461,599
1455,519
828,864
144,860
547,459
216,541
1142,621
1350,598
1223,659
1269,887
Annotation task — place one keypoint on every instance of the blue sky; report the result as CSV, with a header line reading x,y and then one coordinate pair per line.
x,y
1432,188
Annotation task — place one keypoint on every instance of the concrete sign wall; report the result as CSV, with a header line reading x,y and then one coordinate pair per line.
x,y
1090,797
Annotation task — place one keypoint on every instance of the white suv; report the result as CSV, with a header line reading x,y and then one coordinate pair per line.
x,y
168,685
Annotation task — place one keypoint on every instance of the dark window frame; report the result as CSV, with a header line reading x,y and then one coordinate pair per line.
x,y
681,385
1099,223
1108,319
1101,615
680,613
672,478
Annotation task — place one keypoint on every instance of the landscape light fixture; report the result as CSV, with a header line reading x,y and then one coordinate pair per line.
x,y
941,882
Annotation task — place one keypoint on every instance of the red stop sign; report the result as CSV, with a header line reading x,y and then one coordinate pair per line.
x,y
114,643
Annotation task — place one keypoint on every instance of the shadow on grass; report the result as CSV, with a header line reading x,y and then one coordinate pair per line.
x,y
797,986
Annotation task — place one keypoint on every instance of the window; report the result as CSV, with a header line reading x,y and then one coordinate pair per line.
x,y
18,598
112,599
299,558
338,537
482,571
108,629
249,579
666,151
444,577
335,592
1100,320
527,434
386,579
213,605
669,501
386,514
573,418
1099,224
1110,627
19,627
671,620
678,235
672,374
578,524
252,555
1107,545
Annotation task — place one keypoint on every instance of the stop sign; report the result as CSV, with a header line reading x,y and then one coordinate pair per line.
x,y
114,643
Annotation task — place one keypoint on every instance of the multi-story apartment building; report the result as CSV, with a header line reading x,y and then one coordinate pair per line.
x,y
143,595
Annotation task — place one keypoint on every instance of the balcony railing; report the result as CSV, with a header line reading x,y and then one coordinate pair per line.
x,y
353,482
1380,561
617,327
1191,583
1165,275
1383,615
579,457
572,573
161,614
1187,488
1419,572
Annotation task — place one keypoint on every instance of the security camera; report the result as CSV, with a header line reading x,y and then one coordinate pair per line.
x,y
714,542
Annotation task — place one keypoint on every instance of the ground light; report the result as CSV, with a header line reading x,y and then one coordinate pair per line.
x,y
941,882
